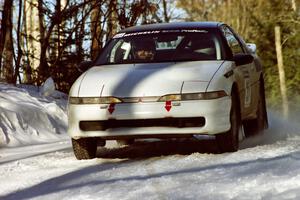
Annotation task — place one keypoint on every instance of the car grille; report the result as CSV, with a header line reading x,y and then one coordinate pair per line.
x,y
161,122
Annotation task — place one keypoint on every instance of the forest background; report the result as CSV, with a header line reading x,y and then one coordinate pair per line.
x,y
48,38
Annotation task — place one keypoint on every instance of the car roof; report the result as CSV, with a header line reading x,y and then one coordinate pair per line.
x,y
172,25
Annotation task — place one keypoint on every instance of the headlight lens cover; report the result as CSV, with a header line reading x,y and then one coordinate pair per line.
x,y
170,97
193,96
93,100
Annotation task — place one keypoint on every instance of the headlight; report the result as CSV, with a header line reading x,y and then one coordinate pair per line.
x,y
93,100
193,96
170,97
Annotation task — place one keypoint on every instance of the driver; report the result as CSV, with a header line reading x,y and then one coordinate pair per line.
x,y
144,49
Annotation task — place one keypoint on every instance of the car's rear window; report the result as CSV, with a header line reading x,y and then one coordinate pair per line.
x,y
162,46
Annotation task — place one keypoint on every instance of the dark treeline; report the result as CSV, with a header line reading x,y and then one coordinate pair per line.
x,y
43,38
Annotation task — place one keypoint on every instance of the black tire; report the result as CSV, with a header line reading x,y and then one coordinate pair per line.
x,y
84,148
229,141
257,125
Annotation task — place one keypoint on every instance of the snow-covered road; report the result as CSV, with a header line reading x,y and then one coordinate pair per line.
x,y
265,167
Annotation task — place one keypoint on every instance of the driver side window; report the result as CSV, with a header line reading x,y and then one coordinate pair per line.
x,y
232,41
120,52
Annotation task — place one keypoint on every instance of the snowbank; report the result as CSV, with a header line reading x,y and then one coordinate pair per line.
x,y
29,117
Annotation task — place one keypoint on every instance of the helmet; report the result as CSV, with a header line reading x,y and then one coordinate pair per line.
x,y
143,44
143,48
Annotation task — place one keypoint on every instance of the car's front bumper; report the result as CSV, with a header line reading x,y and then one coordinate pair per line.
x,y
216,114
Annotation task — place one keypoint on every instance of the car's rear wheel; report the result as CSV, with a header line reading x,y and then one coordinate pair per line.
x,y
229,141
257,125
84,148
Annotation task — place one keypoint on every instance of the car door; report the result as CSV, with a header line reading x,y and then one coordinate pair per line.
x,y
244,73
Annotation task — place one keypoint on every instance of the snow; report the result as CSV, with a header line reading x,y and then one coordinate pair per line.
x,y
28,117
37,162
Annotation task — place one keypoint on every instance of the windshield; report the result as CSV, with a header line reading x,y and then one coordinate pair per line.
x,y
161,46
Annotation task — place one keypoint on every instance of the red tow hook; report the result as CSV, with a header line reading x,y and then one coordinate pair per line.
x,y
168,105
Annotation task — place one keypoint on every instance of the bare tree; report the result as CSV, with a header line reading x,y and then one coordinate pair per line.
x,y
6,43
112,19
43,68
50,35
31,43
283,89
165,11
96,30
19,48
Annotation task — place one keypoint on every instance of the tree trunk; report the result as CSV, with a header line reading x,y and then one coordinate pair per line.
x,y
26,64
43,69
112,19
6,46
96,31
285,105
294,5
165,12
32,30
79,35
57,37
20,52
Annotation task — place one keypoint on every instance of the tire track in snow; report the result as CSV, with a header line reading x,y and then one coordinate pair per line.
x,y
156,184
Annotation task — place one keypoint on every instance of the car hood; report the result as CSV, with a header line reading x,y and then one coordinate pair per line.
x,y
151,79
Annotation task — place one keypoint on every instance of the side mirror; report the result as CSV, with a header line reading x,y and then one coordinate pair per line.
x,y
243,59
251,47
85,65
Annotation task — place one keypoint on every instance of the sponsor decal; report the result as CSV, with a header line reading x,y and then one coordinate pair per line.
x,y
122,35
119,35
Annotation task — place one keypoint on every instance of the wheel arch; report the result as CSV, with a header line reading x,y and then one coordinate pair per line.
x,y
263,93
235,89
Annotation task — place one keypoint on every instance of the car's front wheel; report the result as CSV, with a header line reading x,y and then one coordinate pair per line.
x,y
229,141
84,148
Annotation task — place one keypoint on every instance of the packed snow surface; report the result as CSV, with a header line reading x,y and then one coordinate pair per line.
x,y
37,162
28,117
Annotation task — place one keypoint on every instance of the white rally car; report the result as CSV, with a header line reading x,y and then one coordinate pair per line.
x,y
167,81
